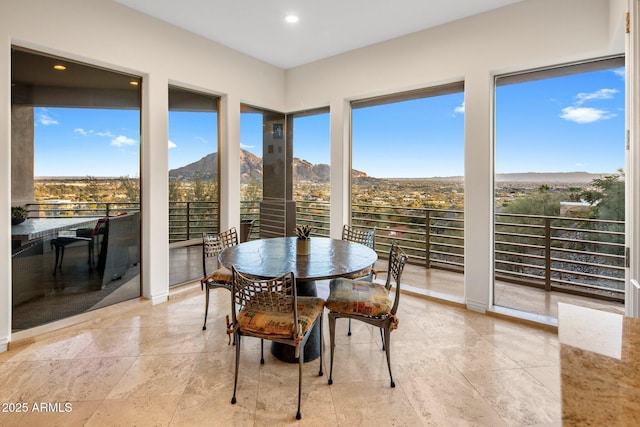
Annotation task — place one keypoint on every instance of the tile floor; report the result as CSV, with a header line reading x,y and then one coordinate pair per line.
x,y
138,364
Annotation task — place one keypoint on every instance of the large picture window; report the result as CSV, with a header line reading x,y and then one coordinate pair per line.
x,y
311,170
193,180
407,179
560,186
75,148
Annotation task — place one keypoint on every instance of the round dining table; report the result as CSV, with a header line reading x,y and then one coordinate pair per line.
x,y
326,258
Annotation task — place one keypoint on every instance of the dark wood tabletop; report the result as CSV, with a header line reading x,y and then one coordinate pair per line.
x,y
327,258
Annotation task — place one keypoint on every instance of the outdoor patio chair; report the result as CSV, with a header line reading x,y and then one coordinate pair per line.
x,y
368,302
88,235
212,245
271,310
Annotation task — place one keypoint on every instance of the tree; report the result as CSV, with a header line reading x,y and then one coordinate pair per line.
x,y
544,202
607,199
131,188
204,191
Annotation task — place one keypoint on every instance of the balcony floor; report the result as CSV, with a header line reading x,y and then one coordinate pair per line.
x,y
522,301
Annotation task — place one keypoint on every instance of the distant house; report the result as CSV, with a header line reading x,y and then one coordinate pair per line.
x,y
572,208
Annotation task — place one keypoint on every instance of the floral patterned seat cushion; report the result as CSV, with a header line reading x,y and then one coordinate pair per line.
x,y
280,325
361,273
358,297
221,275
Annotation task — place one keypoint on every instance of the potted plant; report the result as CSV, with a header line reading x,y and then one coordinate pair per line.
x,y
303,243
18,214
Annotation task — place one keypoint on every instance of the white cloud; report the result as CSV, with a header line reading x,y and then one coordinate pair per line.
x,y
599,94
105,133
87,132
201,139
459,109
246,147
122,141
46,120
585,114
172,144
619,72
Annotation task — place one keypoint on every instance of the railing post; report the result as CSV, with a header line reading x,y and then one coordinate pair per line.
x,y
547,254
188,220
427,242
108,209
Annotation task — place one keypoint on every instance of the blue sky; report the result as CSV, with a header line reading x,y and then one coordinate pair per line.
x,y
573,123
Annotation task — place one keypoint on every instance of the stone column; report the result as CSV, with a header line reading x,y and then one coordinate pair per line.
x,y
22,154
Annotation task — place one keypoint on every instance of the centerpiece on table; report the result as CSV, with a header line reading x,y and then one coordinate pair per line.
x,y
303,243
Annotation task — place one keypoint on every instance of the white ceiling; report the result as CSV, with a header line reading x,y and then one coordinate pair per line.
x,y
326,27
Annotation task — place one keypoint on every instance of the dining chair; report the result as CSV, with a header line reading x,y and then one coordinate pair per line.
x,y
270,309
212,245
368,302
367,238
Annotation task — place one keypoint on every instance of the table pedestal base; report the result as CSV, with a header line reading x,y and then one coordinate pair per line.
x,y
286,353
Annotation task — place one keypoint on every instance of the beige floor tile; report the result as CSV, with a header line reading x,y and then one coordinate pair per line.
x,y
528,350
214,372
154,376
364,362
277,406
155,365
366,403
448,399
65,380
548,377
57,347
465,356
516,396
216,410
50,413
135,411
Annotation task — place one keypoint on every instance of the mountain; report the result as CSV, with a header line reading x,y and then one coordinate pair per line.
x,y
550,177
251,168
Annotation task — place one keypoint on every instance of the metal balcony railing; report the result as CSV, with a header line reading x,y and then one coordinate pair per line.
x,y
582,256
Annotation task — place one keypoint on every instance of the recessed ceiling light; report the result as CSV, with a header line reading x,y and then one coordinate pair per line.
x,y
292,19
59,67
133,83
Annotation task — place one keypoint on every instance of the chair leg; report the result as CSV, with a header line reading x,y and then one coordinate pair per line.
x,y
235,381
261,351
59,254
300,362
382,337
206,308
321,346
349,331
332,335
387,335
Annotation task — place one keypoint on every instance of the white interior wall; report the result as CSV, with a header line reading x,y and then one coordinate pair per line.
x,y
105,33
522,36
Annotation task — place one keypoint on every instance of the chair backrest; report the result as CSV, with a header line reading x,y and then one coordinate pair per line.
x,y
122,237
397,260
366,237
228,238
211,245
277,294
